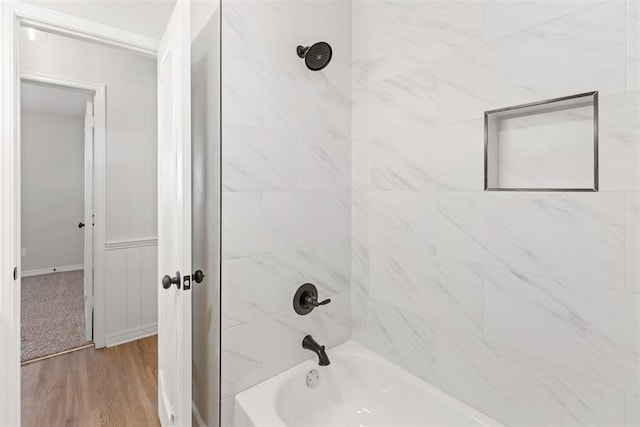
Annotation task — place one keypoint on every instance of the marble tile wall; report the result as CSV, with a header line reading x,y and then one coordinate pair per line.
x,y
367,179
524,305
286,160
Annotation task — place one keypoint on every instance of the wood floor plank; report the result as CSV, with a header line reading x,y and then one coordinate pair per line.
x,y
115,386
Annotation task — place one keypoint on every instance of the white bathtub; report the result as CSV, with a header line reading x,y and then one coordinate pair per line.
x,y
358,388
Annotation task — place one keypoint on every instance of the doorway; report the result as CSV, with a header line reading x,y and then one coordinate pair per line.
x,y
123,300
170,48
56,218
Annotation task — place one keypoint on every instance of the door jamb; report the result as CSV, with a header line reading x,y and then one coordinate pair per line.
x,y
99,91
13,15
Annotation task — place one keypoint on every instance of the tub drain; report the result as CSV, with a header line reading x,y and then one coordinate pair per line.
x,y
313,377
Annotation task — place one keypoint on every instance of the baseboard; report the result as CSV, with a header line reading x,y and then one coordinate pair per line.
x,y
197,419
132,334
49,270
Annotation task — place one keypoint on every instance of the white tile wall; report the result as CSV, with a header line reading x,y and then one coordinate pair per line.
x,y
242,92
260,32
279,100
619,142
242,349
446,157
227,418
503,18
242,224
525,305
360,243
325,266
283,333
522,304
573,236
300,219
360,168
368,16
286,172
403,219
258,286
323,163
633,45
447,290
403,102
258,160
433,30
322,110
520,390
633,242
589,330
575,53
404,338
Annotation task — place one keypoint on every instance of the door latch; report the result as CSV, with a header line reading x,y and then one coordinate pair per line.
x,y
197,277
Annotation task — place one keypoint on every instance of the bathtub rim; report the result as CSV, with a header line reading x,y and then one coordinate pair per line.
x,y
250,404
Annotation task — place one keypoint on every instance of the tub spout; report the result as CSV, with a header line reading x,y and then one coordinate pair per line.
x,y
309,343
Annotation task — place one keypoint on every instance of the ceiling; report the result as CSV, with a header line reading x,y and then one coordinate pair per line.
x,y
53,99
146,17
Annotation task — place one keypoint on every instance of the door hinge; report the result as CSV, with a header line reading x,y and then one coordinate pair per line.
x,y
15,273
89,122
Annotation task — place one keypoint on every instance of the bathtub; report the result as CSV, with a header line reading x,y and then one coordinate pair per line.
x,y
358,388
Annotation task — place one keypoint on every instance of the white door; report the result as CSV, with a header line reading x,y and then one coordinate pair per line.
x,y
174,221
9,274
88,221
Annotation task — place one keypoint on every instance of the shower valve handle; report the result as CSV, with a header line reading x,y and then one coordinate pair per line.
x,y
306,299
314,301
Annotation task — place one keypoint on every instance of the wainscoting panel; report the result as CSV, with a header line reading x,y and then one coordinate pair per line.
x,y
131,303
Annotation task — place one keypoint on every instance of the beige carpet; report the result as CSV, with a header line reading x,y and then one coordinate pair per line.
x,y
52,314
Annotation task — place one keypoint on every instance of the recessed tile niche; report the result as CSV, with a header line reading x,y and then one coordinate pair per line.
x,y
549,145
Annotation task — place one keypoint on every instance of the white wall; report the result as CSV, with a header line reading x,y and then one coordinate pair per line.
x,y
52,190
131,123
285,183
524,305
131,157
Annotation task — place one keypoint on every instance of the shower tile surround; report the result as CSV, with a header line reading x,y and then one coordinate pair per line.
x,y
286,162
523,305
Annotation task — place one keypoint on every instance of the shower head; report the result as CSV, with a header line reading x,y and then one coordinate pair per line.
x,y
316,56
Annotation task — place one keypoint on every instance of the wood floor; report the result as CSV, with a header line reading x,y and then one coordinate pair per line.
x,y
114,386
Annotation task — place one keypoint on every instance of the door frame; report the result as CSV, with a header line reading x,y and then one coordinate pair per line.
x,y
98,205
13,16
